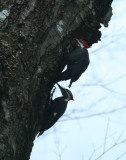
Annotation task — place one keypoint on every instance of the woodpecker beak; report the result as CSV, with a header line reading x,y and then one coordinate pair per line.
x,y
66,93
63,91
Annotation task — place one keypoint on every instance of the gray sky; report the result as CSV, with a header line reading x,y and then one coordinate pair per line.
x,y
94,125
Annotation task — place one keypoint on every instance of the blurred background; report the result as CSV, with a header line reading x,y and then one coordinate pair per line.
x,y
94,124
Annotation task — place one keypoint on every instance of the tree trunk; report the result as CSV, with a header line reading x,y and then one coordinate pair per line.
x,y
33,38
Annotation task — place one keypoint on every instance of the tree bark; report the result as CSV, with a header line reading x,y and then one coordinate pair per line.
x,y
33,38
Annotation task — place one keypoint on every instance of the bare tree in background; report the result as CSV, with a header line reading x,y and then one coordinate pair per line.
x,y
86,112
33,37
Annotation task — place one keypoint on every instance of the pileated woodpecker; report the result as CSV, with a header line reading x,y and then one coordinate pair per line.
x,y
77,63
55,109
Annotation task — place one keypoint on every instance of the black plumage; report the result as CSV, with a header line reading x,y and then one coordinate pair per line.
x,y
55,109
78,61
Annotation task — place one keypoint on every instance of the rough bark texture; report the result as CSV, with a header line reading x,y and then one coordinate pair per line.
x,y
33,37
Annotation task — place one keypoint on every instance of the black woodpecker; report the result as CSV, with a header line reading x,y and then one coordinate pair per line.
x,y
77,63
55,109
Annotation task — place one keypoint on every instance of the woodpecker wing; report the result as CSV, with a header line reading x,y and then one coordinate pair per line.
x,y
66,74
47,116
56,110
77,54
74,69
78,68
